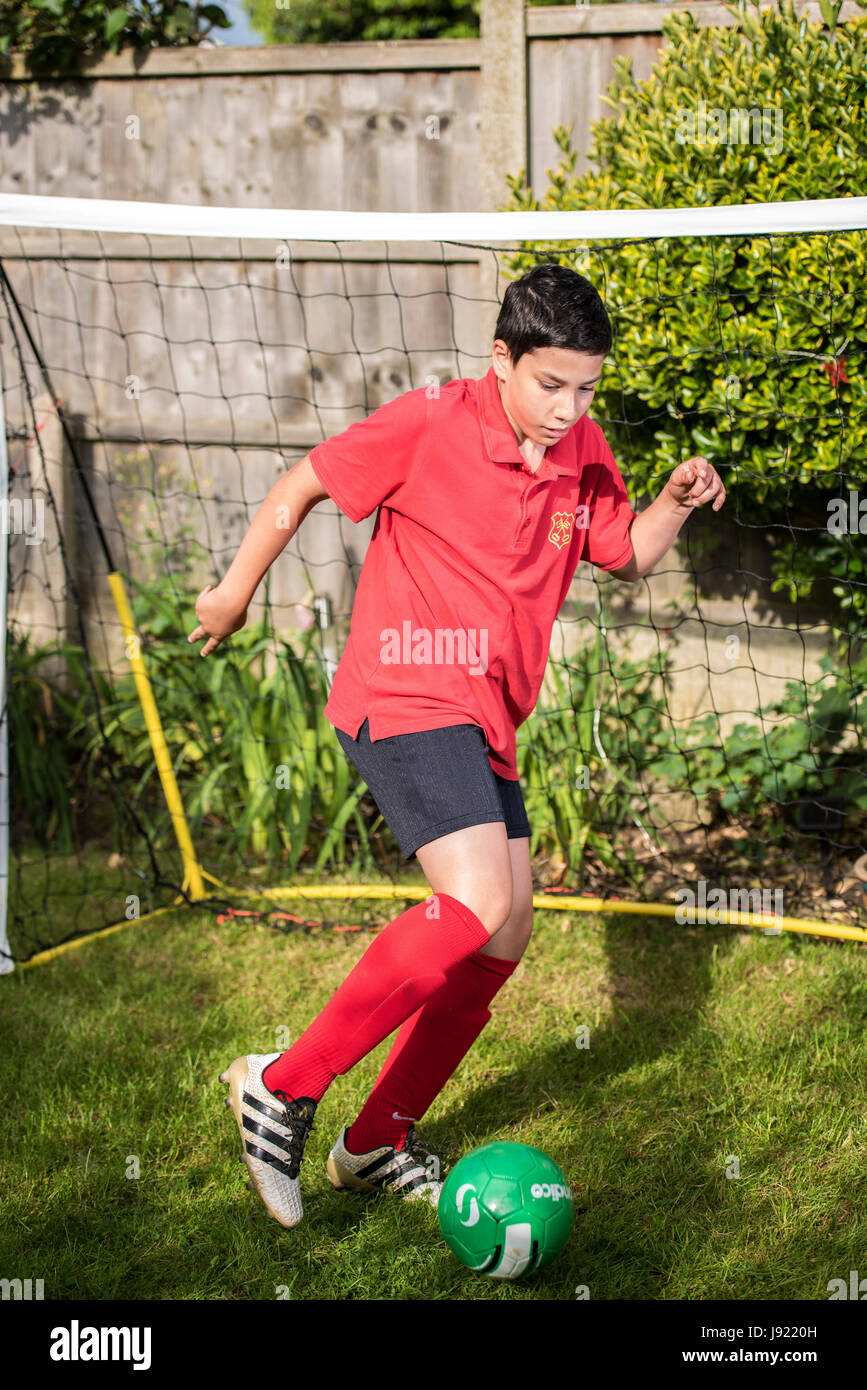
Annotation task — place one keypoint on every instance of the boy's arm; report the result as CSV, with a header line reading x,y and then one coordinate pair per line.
x,y
655,530
223,610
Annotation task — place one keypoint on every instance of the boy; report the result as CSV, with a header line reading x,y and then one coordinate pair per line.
x,y
489,493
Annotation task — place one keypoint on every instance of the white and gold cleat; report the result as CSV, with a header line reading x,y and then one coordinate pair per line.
x,y
411,1172
274,1131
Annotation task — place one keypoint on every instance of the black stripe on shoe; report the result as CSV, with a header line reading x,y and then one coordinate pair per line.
x,y
263,1109
387,1179
420,1180
397,1165
374,1167
296,1122
280,1141
267,1157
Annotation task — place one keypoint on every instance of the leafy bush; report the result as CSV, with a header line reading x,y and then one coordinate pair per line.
x,y
256,762
255,759
46,756
749,350
60,36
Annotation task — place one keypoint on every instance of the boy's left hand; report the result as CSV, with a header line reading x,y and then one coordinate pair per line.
x,y
695,482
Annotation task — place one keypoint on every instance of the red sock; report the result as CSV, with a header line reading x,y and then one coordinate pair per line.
x,y
427,1050
401,968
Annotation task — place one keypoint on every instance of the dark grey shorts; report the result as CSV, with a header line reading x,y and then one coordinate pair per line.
x,y
431,783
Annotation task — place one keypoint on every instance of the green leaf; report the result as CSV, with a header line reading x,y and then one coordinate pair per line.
x,y
216,15
114,22
828,12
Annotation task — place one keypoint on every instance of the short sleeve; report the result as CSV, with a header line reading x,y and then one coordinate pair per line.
x,y
367,463
608,545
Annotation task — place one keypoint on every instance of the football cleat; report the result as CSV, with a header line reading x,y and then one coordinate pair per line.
x,y
274,1132
412,1172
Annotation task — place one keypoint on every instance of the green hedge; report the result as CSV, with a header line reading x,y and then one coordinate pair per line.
x,y
747,350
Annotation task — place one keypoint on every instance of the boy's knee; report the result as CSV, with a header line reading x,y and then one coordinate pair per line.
x,y
519,926
494,913
491,906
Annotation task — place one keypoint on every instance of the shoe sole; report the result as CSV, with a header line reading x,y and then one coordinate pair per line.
x,y
236,1078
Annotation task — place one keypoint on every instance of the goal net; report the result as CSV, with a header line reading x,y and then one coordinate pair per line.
x,y
698,733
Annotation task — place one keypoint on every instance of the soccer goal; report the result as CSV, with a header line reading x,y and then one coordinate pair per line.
x,y
698,742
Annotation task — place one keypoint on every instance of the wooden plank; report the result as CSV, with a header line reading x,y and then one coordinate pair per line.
x,y
408,55
565,21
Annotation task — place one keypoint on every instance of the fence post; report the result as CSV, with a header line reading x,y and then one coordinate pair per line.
x,y
503,131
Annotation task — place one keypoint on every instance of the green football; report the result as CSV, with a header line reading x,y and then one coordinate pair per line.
x,y
506,1210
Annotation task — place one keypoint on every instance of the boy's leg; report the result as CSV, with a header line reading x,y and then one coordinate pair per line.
x,y
405,964
433,1042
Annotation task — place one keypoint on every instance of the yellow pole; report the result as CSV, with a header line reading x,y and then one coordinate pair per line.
x,y
557,902
192,872
567,902
54,951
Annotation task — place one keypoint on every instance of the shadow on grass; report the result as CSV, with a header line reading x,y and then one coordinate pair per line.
x,y
658,1212
653,1219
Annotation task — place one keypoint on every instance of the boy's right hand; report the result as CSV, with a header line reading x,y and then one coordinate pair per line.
x,y
218,618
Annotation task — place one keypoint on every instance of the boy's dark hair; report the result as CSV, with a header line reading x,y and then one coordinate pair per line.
x,y
553,306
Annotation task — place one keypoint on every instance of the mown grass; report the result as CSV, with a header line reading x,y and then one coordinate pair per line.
x,y
706,1045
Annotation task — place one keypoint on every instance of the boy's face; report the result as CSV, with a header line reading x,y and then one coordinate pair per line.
x,y
548,390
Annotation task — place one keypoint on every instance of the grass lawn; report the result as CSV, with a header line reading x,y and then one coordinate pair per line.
x,y
710,1050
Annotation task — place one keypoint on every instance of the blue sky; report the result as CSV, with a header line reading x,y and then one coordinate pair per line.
x,y
240,35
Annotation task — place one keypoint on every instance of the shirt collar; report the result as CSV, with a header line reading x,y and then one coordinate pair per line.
x,y
561,457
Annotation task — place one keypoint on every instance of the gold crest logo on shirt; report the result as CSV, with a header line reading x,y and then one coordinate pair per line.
x,y
561,529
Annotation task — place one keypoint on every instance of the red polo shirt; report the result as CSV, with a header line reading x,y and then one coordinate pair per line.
x,y
471,557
